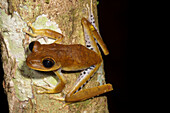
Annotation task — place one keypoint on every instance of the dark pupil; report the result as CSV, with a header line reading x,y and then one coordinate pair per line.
x,y
48,63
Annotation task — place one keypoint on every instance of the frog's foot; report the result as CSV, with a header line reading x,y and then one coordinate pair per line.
x,y
24,30
47,89
55,89
29,24
48,83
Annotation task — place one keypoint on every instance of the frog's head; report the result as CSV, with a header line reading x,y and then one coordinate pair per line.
x,y
41,58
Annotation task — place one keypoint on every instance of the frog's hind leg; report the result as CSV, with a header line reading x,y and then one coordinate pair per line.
x,y
91,26
91,16
89,40
92,32
78,94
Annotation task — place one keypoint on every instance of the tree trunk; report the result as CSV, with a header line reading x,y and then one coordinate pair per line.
x,y
63,16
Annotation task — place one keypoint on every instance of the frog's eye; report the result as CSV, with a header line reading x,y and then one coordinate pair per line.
x,y
31,45
48,62
34,46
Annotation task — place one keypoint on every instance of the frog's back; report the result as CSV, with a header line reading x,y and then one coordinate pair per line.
x,y
74,57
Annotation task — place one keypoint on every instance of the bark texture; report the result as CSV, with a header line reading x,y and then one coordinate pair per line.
x,y
63,16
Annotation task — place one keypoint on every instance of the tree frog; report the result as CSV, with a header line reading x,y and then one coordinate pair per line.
x,y
56,57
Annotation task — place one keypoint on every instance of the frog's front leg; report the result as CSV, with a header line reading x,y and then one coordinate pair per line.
x,y
44,33
34,34
58,88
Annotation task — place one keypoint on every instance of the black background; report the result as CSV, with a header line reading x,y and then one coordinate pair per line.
x,y
113,25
